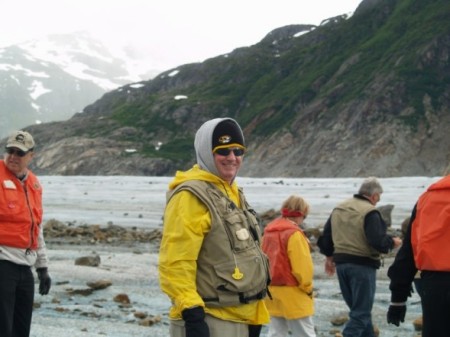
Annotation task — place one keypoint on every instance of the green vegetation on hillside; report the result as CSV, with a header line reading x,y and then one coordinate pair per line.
x,y
367,57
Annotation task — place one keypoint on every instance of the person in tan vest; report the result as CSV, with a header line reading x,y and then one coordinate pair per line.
x,y
353,239
211,264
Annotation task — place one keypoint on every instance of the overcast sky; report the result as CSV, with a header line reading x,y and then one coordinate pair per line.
x,y
167,33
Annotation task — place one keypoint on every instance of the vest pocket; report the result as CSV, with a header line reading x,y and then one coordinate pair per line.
x,y
9,203
241,238
252,283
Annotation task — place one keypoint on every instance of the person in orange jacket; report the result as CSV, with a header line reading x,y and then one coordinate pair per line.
x,y
291,269
426,249
22,243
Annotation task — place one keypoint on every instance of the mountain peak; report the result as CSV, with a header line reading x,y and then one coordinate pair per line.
x,y
51,78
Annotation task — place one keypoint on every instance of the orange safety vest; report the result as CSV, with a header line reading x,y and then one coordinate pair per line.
x,y
430,231
275,242
20,210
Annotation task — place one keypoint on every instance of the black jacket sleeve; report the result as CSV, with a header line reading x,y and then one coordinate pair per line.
x,y
375,231
325,241
403,269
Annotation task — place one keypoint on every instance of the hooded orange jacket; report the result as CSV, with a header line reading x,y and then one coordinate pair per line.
x,y
20,210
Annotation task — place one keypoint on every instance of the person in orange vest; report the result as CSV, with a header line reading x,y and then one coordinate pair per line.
x,y
426,248
21,237
291,305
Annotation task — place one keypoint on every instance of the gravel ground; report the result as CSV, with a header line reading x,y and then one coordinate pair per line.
x,y
133,271
139,202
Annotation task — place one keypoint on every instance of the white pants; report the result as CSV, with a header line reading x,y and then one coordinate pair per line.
x,y
302,327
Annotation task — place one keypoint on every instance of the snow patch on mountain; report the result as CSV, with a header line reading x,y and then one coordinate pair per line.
x,y
83,57
52,78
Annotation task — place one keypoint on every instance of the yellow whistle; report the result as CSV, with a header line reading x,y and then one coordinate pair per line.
x,y
237,275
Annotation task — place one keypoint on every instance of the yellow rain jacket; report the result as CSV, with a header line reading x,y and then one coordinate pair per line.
x,y
186,222
293,301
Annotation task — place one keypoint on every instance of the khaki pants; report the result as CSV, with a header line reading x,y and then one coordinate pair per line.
x,y
217,328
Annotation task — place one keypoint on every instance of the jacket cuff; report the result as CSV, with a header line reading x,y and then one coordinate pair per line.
x,y
399,297
193,314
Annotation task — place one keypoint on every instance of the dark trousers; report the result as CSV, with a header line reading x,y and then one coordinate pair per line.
x,y
358,284
16,299
435,303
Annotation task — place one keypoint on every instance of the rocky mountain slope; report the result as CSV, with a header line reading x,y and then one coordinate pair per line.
x,y
52,78
358,96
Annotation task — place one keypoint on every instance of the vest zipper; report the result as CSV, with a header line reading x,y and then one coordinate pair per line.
x,y
32,220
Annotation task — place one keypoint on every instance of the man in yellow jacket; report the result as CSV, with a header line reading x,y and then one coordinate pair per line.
x,y
211,264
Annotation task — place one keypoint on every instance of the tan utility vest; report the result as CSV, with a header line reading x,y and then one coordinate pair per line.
x,y
231,267
347,221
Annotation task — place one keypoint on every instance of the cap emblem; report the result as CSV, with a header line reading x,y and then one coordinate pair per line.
x,y
20,138
224,139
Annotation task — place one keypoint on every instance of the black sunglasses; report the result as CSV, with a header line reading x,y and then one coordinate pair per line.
x,y
17,152
227,150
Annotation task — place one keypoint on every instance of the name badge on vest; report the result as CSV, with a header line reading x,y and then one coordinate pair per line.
x,y
9,184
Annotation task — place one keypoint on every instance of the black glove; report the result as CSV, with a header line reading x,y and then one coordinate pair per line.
x,y
254,330
45,282
194,322
396,314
